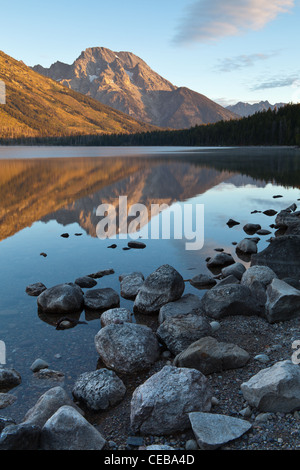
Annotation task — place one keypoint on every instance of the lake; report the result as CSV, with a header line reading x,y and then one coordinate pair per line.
x,y
48,191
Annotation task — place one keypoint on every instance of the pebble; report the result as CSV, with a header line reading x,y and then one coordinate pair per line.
x,y
263,358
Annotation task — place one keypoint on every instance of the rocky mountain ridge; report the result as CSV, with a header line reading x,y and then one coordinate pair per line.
x,y
125,82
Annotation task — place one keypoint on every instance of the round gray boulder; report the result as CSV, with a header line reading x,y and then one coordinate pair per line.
x,y
162,404
162,286
127,347
61,299
99,390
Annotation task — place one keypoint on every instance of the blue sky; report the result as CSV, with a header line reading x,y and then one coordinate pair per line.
x,y
233,50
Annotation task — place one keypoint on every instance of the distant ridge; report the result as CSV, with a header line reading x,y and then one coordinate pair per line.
x,y
39,107
125,82
246,109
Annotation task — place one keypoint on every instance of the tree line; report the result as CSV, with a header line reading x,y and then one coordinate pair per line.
x,y
278,127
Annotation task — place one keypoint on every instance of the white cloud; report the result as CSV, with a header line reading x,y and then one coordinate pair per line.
x,y
277,82
210,20
233,63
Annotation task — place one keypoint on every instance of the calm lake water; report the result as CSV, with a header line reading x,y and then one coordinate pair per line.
x,y
45,192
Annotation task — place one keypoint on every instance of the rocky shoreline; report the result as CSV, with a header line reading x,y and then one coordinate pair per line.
x,y
178,371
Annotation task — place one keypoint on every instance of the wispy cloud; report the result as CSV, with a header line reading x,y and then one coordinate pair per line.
x,y
277,82
230,64
210,20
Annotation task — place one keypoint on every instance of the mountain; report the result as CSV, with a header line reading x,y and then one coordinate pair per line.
x,y
125,82
246,109
38,106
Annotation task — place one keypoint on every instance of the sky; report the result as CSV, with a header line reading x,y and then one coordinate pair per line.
x,y
228,50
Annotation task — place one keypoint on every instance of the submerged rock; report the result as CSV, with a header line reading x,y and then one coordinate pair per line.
x,y
162,286
85,282
247,246
232,223
101,299
162,404
251,229
34,290
220,260
136,245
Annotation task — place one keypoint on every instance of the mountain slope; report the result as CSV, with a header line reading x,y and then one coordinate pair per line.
x,y
125,82
38,106
246,109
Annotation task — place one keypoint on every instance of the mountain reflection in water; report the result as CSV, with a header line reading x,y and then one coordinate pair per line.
x,y
69,190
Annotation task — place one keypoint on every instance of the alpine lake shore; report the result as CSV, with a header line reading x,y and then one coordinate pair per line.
x,y
178,372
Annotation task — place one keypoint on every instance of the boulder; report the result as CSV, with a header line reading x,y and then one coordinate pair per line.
x,y
99,390
282,256
34,290
203,281
188,304
213,431
257,278
131,284
227,280
47,405
9,378
101,299
237,270
116,315
263,232
68,430
286,218
275,389
20,437
228,300
6,400
86,282
270,212
127,347
162,286
220,260
251,229
162,404
209,356
61,299
177,333
283,302
247,246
